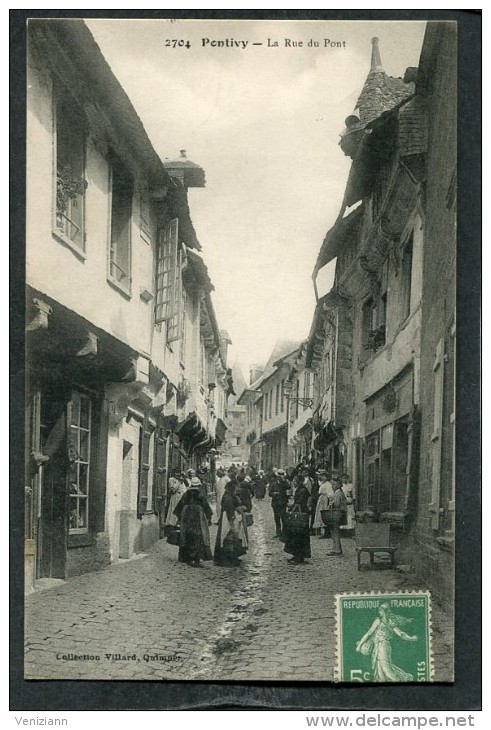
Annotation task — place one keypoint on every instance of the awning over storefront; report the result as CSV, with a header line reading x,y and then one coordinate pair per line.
x,y
192,434
274,433
328,435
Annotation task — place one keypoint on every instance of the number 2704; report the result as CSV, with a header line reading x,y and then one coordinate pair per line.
x,y
176,43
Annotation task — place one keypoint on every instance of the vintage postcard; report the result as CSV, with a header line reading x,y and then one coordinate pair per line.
x,y
241,347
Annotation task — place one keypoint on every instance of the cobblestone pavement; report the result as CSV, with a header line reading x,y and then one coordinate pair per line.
x,y
153,618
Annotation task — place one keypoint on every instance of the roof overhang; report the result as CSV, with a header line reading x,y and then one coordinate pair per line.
x,y
315,342
248,397
342,230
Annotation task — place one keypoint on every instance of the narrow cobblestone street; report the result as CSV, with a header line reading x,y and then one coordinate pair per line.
x,y
265,620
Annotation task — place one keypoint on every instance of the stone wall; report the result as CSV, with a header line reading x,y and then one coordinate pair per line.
x,y
433,551
89,557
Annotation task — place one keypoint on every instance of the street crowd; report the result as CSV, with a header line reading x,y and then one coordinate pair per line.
x,y
306,503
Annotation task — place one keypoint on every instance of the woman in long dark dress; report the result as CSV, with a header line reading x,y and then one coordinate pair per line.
x,y
297,542
194,514
244,494
231,541
259,485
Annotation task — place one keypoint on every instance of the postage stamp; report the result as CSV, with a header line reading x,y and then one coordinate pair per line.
x,y
384,637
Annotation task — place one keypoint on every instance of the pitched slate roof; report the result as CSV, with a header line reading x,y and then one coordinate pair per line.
x,y
413,128
380,94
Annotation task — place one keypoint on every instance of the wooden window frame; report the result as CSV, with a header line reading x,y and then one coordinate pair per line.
x,y
59,96
77,461
146,469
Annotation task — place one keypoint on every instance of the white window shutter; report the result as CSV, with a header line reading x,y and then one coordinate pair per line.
x,y
168,272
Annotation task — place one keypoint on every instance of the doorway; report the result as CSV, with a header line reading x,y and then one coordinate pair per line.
x,y
52,525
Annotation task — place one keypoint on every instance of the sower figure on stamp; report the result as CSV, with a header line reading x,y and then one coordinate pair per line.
x,y
377,642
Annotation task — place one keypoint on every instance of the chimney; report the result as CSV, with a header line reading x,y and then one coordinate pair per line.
x,y
187,172
255,372
376,64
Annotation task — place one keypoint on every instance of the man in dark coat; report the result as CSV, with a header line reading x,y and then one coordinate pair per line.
x,y
279,490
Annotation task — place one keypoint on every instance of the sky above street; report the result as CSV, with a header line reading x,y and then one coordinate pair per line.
x,y
264,123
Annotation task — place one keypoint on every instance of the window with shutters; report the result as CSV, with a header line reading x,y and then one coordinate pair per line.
x,y
436,437
70,169
145,473
183,339
277,399
282,396
169,300
369,494
160,470
121,194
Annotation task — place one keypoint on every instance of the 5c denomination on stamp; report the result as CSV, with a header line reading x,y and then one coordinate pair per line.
x,y
383,637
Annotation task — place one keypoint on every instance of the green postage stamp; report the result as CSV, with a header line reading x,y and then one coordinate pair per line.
x,y
384,637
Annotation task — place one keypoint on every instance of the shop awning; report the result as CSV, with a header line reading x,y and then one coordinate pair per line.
x,y
191,432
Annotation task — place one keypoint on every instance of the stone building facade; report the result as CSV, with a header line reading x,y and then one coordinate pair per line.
x,y
382,342
118,309
434,528
267,409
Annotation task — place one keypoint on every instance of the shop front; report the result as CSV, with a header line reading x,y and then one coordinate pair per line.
x,y
67,422
391,452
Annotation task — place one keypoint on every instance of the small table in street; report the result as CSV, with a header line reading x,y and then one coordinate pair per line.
x,y
373,539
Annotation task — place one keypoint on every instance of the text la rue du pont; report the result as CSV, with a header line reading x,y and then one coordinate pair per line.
x,y
271,43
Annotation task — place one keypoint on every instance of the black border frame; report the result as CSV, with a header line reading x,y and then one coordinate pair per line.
x,y
465,692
